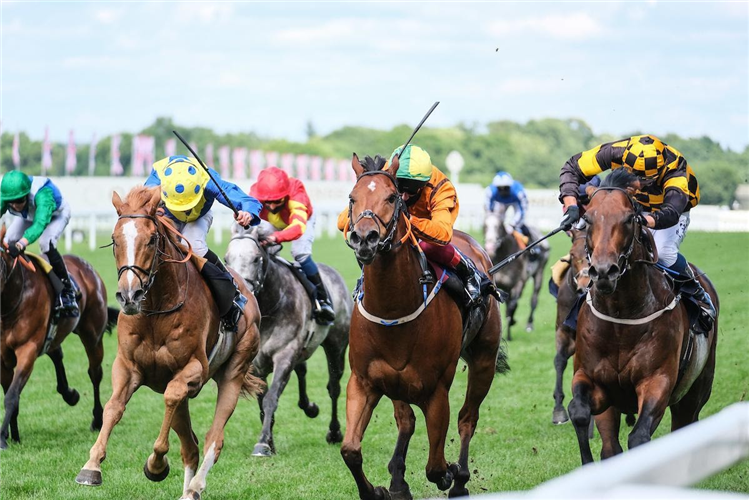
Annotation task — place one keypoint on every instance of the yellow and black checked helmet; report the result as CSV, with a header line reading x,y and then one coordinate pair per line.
x,y
644,155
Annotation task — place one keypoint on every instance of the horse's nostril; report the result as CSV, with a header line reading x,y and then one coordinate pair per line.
x,y
373,237
593,272
355,239
613,271
138,295
118,296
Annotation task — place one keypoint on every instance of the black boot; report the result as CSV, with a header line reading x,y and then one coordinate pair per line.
x,y
324,313
692,286
67,306
226,294
471,278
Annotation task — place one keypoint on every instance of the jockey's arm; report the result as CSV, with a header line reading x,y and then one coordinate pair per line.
x,y
438,229
242,201
583,166
45,207
297,223
675,196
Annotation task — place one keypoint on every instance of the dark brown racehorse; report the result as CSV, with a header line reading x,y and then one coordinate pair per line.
x,y
631,337
413,362
27,306
167,331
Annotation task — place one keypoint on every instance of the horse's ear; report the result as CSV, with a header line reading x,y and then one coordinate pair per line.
x,y
634,187
234,228
153,204
393,168
356,164
117,202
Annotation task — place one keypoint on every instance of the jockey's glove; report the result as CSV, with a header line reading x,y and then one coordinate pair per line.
x,y
15,248
571,215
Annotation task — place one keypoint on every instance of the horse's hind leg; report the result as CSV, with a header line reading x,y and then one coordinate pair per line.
x,y
565,348
26,356
512,305
92,342
537,284
188,440
283,365
404,417
310,409
7,378
70,396
608,424
336,363
652,400
360,403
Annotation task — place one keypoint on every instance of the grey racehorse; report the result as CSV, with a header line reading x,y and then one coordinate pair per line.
x,y
288,334
500,243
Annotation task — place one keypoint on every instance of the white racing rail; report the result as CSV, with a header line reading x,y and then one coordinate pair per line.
x,y
660,469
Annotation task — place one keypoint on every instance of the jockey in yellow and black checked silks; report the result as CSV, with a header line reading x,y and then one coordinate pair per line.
x,y
669,189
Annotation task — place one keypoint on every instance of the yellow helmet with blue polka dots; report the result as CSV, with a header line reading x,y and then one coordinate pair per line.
x,y
183,182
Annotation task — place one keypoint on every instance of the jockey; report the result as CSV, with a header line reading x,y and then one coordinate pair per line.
x,y
287,207
40,213
188,194
504,190
669,191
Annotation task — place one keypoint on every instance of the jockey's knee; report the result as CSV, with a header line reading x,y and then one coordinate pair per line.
x,y
45,244
307,264
199,248
444,255
667,256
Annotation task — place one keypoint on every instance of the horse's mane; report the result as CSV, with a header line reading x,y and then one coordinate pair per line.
x,y
373,164
620,178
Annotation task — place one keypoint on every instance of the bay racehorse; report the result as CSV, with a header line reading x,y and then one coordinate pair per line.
x,y
413,361
169,340
27,330
501,243
633,331
288,333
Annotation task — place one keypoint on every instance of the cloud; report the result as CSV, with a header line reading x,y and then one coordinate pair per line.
x,y
576,26
108,16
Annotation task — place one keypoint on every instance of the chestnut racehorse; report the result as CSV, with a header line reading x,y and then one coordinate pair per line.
x,y
168,328
27,308
412,362
633,331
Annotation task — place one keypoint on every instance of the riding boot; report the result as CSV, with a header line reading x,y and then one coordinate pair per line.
x,y
67,306
691,286
229,300
471,277
324,312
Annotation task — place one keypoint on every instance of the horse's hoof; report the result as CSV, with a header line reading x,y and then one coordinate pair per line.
x,y
96,424
312,410
401,495
529,328
191,496
262,450
380,493
559,417
159,476
89,477
72,397
334,436
456,492
3,443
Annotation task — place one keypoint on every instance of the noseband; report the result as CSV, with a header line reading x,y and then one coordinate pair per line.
x,y
386,244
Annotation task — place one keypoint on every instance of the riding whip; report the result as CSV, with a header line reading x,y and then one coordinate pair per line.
x,y
418,127
207,171
514,256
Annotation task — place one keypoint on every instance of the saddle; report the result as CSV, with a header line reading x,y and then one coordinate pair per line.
x,y
558,270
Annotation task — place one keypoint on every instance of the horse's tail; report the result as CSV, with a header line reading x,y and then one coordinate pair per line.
x,y
502,366
112,315
252,386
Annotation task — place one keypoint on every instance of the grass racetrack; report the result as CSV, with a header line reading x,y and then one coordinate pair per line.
x,y
515,447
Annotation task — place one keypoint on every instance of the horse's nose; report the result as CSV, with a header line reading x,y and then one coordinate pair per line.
x,y
129,297
604,272
371,239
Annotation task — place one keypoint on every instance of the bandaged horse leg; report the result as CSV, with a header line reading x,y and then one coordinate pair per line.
x,y
177,390
406,421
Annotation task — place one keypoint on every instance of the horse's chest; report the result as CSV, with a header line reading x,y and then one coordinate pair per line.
x,y
404,384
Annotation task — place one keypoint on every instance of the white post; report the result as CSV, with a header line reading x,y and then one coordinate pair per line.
x,y
454,162
68,238
92,232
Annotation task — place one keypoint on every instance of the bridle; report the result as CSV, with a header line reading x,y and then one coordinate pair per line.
x,y
384,245
258,283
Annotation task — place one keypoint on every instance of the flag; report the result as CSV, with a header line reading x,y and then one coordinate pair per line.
x,y
224,154
46,152
115,167
302,164
92,156
194,146
256,163
271,159
70,160
170,147
239,159
136,167
344,166
315,168
287,163
209,155
330,169
16,153
148,148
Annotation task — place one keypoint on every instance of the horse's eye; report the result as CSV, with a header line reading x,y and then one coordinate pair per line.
x,y
392,198
153,240
351,200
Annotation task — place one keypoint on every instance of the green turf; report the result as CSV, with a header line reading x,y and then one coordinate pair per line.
x,y
515,447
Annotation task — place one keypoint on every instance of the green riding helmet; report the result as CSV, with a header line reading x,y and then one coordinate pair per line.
x,y
415,168
15,185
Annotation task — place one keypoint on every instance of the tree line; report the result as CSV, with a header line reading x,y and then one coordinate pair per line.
x,y
532,152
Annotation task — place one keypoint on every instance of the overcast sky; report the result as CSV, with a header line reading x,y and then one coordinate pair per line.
x,y
270,67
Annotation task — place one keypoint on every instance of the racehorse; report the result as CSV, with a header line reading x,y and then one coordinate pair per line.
x,y
574,280
633,331
28,331
288,333
413,360
169,340
501,243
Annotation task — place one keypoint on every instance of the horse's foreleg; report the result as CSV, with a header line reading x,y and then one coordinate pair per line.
x,y
652,400
360,403
177,390
437,416
336,363
310,409
6,374
580,414
537,284
70,396
124,383
404,417
188,440
92,342
283,364
25,356
565,349
512,305
608,424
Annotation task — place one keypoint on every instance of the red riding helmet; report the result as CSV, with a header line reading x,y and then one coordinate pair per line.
x,y
272,184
